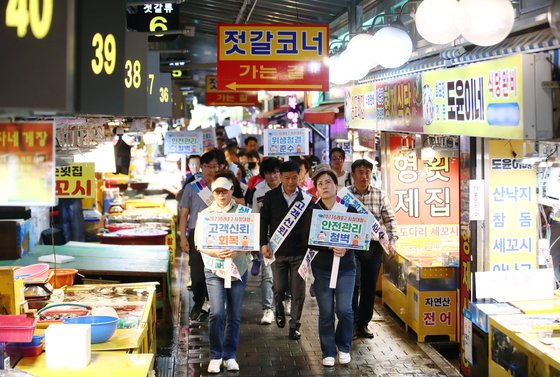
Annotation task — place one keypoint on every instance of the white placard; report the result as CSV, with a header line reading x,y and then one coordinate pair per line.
x,y
334,272
520,285
476,199
286,142
467,336
227,269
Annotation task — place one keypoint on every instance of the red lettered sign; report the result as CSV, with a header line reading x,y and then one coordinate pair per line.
x,y
272,57
215,97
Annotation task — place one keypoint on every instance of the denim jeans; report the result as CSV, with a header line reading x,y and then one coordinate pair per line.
x,y
333,301
224,346
266,284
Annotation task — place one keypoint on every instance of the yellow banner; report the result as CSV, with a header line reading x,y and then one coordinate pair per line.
x,y
75,181
360,107
268,42
483,99
512,208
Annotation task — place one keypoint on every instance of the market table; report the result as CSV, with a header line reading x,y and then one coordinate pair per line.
x,y
142,263
106,364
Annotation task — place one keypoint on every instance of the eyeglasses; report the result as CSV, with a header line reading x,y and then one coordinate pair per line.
x,y
337,159
212,167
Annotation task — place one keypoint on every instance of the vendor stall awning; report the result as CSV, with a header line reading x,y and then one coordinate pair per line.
x,y
325,113
264,118
537,41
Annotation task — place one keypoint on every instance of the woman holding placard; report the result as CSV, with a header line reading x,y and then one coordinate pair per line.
x,y
226,277
339,299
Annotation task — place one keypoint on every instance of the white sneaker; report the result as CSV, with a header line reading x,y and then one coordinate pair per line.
x,y
214,366
231,365
344,357
328,362
268,317
288,306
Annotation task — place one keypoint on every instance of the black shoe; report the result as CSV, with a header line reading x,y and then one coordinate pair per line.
x,y
196,310
279,316
294,334
204,315
364,332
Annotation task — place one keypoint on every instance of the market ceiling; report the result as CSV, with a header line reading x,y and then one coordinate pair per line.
x,y
205,16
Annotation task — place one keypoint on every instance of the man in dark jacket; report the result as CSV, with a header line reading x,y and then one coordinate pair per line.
x,y
285,220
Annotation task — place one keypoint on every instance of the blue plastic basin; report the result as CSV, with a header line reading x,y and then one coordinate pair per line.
x,y
102,327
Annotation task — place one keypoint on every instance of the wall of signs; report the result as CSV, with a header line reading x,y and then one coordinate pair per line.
x,y
483,99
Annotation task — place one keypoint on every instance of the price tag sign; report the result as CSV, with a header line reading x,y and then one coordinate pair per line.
x,y
111,63
159,89
36,69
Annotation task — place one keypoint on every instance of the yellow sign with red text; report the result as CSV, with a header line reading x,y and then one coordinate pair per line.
x,y
273,57
75,181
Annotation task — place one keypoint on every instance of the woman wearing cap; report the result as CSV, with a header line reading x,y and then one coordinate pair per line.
x,y
224,347
339,300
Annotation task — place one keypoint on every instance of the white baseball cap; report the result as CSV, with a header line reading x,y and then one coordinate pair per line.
x,y
222,182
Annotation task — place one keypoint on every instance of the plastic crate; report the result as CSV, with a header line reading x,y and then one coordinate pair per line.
x,y
17,328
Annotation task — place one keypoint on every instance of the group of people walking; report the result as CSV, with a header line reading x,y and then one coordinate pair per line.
x,y
286,211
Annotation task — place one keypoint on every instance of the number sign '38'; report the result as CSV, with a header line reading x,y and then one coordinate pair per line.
x,y
112,63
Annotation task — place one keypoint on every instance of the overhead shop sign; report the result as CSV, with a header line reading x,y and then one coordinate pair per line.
x,y
112,63
499,98
36,69
27,164
215,97
360,107
271,57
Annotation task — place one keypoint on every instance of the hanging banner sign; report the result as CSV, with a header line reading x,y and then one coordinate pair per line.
x,y
75,181
286,142
272,57
340,229
215,97
183,142
483,99
27,164
360,107
512,201
237,231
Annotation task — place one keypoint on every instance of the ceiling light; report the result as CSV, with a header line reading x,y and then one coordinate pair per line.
x,y
393,46
485,22
435,21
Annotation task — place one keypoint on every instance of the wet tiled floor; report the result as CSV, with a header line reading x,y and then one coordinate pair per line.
x,y
267,351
